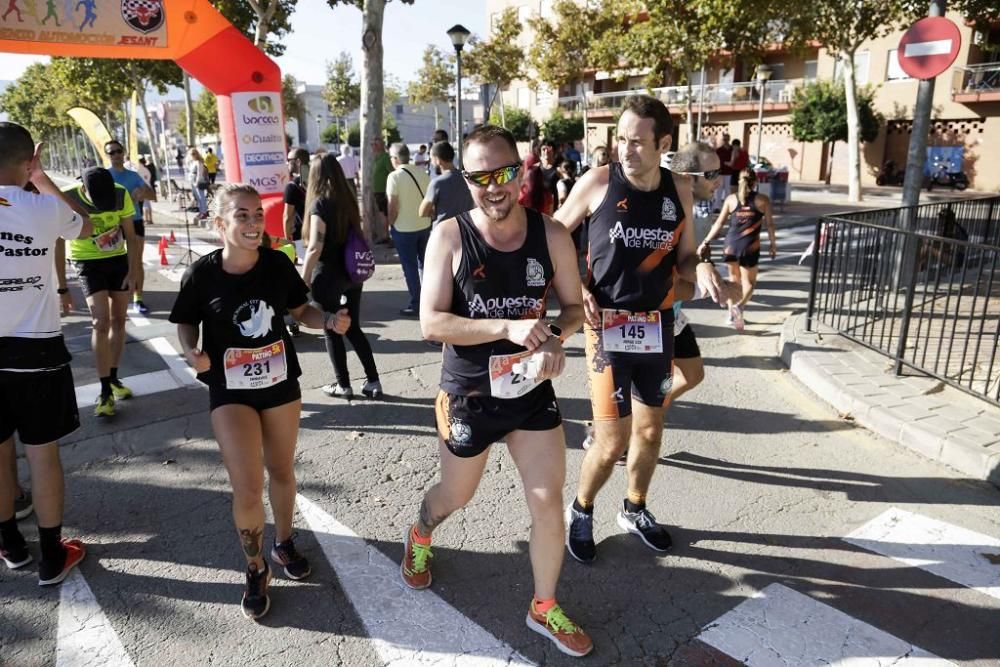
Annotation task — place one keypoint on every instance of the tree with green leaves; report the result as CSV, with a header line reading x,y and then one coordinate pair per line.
x,y
519,122
37,101
342,91
330,134
260,20
561,129
564,46
433,80
372,17
499,60
291,105
820,114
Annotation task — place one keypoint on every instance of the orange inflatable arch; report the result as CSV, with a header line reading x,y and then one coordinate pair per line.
x,y
247,82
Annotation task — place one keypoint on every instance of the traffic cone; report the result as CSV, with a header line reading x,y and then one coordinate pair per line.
x,y
173,239
163,257
163,243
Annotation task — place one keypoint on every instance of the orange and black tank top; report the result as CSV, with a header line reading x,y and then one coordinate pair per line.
x,y
493,284
744,228
633,237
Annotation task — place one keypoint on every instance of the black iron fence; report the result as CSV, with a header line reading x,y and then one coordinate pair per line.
x,y
918,284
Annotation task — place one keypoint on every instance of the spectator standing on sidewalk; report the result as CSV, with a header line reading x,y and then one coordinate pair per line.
x,y
211,165
448,194
383,167
405,188
350,165
197,176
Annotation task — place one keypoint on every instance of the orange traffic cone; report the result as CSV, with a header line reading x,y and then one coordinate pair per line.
x,y
163,257
173,239
163,243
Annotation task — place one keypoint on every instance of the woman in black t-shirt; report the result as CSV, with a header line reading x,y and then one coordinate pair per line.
x,y
333,210
236,299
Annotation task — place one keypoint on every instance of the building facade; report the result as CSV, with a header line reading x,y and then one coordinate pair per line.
x,y
965,122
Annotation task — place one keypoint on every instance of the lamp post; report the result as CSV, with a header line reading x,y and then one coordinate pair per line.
x,y
762,76
319,131
458,35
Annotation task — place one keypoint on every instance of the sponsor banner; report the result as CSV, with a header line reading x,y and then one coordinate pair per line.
x,y
88,22
260,140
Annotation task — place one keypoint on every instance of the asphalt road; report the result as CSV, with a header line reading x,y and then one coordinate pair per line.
x,y
762,484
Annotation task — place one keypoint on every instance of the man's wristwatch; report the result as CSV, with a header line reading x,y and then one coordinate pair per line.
x,y
62,290
556,331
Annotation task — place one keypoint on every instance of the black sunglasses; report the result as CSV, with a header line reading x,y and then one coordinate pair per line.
x,y
116,151
707,175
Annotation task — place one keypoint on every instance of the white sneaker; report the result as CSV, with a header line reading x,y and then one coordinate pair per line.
x,y
372,389
336,391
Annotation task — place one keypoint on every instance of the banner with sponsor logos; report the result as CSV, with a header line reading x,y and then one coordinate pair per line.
x,y
195,35
260,140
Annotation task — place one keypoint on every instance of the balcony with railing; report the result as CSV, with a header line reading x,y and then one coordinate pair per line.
x,y
976,83
720,97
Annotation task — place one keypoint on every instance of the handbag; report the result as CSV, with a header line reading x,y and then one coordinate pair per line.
x,y
359,261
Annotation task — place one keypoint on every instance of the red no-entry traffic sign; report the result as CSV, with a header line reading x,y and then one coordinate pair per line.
x,y
929,47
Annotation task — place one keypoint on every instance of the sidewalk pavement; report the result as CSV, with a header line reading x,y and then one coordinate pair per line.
x,y
919,413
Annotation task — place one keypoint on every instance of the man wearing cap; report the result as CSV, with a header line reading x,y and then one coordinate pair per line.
x,y
107,264
140,192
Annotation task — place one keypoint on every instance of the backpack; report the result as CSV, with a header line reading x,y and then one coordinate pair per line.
x,y
358,258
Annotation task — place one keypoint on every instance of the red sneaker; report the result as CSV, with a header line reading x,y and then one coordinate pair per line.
x,y
566,635
50,574
415,568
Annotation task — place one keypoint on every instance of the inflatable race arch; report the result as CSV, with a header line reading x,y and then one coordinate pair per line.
x,y
246,82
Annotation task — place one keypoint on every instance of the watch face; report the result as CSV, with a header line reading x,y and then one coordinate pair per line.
x,y
555,330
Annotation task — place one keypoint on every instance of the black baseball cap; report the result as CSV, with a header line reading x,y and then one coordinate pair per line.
x,y
100,187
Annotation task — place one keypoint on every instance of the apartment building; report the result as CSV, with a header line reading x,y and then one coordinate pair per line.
x,y
965,122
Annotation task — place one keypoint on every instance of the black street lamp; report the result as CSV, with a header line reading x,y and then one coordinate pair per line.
x,y
458,35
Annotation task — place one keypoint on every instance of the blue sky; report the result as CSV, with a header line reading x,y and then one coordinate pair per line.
x,y
319,34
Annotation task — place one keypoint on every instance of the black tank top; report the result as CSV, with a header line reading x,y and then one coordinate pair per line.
x,y
492,284
744,227
633,237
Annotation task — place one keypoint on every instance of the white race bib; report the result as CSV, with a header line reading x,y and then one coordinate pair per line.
x,y
680,322
255,368
504,382
631,332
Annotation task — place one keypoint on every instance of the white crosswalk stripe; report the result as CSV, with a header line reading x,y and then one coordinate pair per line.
x,y
949,551
85,637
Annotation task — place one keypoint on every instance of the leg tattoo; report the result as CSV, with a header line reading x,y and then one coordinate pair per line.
x,y
428,520
252,539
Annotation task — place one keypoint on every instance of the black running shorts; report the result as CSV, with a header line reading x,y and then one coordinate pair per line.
x,y
102,275
140,228
39,405
686,345
470,424
747,260
618,377
258,399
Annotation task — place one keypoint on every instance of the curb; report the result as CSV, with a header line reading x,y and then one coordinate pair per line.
x,y
910,424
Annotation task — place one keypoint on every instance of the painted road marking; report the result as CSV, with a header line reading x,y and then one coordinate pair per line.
x,y
85,638
177,375
780,626
941,548
439,635
935,47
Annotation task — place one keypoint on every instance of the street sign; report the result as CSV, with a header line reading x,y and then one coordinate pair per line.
x,y
929,47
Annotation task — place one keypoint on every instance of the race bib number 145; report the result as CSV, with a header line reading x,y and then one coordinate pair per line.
x,y
631,332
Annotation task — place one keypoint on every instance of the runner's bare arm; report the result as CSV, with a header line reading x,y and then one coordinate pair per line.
x,y
579,203
719,222
312,317
437,323
566,281
289,221
45,186
426,209
764,204
65,299
134,250
317,236
188,336
687,251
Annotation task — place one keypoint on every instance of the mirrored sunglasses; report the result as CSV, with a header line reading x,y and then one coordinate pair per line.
x,y
501,176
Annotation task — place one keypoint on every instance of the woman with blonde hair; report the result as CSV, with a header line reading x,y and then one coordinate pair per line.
x,y
332,212
235,299
197,176
746,209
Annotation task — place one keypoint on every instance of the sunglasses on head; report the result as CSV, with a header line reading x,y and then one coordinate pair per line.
x,y
116,151
707,175
501,176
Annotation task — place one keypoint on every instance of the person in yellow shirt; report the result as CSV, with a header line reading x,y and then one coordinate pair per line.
x,y
107,264
405,188
211,165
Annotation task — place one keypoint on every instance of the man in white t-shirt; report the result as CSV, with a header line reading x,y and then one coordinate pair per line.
x,y
349,163
37,397
405,189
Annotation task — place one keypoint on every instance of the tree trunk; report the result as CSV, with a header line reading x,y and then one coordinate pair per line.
x,y
371,106
829,162
853,138
503,113
140,91
188,110
689,112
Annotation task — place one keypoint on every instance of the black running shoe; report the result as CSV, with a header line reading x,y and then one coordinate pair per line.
x,y
23,506
294,563
15,558
580,535
643,524
256,602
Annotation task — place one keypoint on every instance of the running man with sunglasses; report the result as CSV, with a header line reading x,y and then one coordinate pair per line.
x,y
638,239
140,193
486,278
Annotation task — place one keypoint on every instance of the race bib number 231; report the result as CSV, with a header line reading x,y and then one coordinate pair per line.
x,y
255,368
